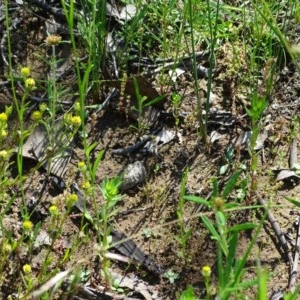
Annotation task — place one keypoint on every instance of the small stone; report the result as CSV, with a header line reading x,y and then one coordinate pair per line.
x,y
133,175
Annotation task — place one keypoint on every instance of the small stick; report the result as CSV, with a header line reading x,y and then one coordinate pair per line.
x,y
140,144
278,232
294,273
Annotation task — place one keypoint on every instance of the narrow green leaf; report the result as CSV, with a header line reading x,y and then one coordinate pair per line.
x,y
231,254
240,227
96,163
231,183
295,202
90,148
197,200
210,227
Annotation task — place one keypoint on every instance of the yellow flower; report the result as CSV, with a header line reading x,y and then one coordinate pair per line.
x,y
76,121
36,115
3,154
86,185
25,71
27,269
3,133
27,225
53,39
81,164
3,117
29,83
206,271
71,199
53,210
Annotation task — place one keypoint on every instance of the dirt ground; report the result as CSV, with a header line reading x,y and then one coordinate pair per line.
x,y
152,205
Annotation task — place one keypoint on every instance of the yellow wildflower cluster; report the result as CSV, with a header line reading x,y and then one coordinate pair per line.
x,y
71,120
29,82
3,121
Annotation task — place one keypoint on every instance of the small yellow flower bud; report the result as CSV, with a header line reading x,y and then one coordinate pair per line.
x,y
67,119
3,117
53,39
29,83
86,185
7,248
219,203
71,199
43,107
3,154
206,271
76,121
27,225
77,106
25,71
81,164
36,115
53,210
27,269
3,133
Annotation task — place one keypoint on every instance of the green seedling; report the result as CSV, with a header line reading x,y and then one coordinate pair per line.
x,y
176,100
141,106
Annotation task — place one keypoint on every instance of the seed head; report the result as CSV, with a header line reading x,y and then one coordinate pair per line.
x,y
53,40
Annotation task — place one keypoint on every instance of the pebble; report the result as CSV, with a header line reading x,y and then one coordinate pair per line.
x,y
133,175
